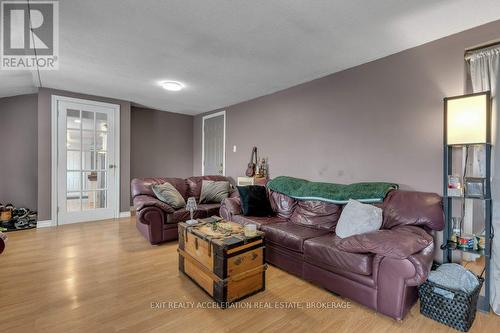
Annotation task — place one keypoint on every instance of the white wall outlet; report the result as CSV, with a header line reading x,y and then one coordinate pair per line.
x,y
234,149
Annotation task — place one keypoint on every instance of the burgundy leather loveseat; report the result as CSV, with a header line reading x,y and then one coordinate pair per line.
x,y
301,240
156,220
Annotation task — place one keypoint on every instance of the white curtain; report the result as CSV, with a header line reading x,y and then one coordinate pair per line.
x,y
484,68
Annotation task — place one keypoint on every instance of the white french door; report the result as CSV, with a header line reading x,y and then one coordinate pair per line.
x,y
214,144
87,174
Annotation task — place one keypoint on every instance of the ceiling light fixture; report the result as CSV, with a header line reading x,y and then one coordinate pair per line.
x,y
172,85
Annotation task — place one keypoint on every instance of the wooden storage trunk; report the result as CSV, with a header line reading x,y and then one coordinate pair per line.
x,y
229,268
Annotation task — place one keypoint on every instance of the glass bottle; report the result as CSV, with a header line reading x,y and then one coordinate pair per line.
x,y
455,226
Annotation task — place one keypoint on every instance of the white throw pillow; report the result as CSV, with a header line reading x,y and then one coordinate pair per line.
x,y
358,218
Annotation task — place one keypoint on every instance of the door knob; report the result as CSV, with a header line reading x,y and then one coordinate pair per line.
x,y
112,166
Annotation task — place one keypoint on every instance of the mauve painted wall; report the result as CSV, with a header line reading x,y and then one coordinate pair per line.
x,y
380,121
161,144
44,148
18,163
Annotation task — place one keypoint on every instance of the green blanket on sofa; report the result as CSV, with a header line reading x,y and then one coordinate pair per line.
x,y
302,189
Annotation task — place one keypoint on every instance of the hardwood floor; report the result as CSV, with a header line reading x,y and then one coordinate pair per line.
x,y
103,277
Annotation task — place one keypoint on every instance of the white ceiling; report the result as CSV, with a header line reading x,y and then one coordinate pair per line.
x,y
229,51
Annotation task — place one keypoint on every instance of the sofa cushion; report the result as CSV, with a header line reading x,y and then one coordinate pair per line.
x,y
316,214
257,220
413,208
167,193
358,218
282,204
210,209
323,251
194,184
214,191
289,235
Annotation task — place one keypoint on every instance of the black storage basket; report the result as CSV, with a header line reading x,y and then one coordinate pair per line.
x,y
458,312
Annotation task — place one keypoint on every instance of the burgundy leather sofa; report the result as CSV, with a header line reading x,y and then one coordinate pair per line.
x,y
156,220
301,240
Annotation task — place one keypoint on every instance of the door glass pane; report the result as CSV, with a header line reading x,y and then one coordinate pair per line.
x,y
88,200
88,160
101,141
101,199
73,139
87,120
94,199
94,180
101,122
73,202
73,160
73,119
88,140
101,160
73,181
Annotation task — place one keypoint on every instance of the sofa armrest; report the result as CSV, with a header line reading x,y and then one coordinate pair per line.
x,y
152,216
143,201
230,207
150,222
397,281
413,271
399,243
422,262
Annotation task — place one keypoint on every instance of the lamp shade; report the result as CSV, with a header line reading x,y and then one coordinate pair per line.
x,y
467,119
191,203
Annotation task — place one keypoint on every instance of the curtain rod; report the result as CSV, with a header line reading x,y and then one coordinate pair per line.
x,y
484,46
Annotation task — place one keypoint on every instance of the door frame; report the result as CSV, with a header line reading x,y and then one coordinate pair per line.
x,y
55,150
216,114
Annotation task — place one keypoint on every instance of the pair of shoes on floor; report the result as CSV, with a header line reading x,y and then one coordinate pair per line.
x,y
19,218
20,213
24,218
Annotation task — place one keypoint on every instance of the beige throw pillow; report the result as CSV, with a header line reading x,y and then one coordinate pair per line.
x,y
214,191
167,193
358,218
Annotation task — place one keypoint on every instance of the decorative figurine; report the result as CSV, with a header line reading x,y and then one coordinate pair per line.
x,y
262,168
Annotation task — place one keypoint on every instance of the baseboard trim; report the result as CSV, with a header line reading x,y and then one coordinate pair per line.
x,y
44,224
124,214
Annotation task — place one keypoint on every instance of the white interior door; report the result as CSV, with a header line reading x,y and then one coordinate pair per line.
x,y
214,127
86,162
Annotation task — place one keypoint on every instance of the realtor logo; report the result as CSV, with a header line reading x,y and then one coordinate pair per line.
x,y
29,35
